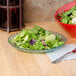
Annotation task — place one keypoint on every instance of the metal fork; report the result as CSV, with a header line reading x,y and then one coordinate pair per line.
x,y
62,57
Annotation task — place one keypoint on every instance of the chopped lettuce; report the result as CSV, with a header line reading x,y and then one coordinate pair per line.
x,y
49,38
67,16
36,39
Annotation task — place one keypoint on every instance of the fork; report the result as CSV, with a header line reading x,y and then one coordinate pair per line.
x,y
62,57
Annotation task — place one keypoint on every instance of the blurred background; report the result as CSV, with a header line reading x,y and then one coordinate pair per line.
x,y
42,10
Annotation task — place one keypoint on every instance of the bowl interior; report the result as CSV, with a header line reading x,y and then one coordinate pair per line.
x,y
65,7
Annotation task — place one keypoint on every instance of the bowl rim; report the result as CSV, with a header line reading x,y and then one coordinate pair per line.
x,y
58,20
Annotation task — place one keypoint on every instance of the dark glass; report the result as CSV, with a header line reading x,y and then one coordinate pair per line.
x,y
12,14
14,18
21,1
3,18
13,2
3,2
22,13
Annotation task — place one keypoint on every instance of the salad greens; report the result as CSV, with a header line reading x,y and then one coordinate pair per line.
x,y
37,38
69,17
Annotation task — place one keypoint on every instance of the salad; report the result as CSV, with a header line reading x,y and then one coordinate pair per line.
x,y
37,38
68,17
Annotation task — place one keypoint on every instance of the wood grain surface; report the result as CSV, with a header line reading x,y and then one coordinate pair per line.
x,y
17,63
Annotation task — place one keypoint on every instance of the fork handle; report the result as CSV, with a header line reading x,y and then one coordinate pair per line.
x,y
61,58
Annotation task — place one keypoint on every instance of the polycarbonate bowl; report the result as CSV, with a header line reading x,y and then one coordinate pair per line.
x,y
70,28
36,51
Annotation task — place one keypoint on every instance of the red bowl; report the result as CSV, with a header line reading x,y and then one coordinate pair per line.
x,y
71,29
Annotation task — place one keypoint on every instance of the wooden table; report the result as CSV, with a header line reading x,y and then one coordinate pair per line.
x,y
16,63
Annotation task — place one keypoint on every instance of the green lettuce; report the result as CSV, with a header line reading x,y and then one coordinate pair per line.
x,y
38,34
